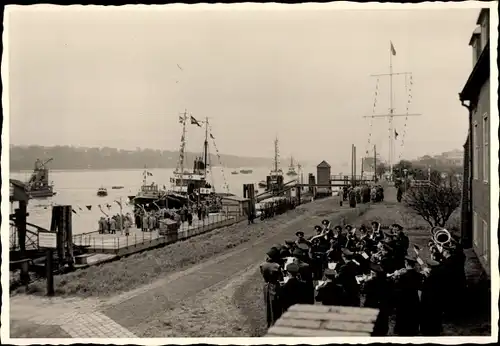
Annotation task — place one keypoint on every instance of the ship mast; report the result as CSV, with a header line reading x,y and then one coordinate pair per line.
x,y
276,155
182,149
205,147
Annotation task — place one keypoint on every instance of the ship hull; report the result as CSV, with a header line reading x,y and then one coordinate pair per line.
x,y
35,194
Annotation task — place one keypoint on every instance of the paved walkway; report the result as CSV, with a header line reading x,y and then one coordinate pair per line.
x,y
78,318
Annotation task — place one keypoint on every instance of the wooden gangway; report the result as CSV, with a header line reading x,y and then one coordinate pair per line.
x,y
324,321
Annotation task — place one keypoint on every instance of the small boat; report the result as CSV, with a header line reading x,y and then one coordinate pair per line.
x,y
246,171
117,187
102,192
262,183
235,172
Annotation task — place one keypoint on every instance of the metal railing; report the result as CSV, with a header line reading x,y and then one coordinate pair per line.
x,y
139,239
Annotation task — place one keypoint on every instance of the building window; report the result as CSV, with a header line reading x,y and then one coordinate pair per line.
x,y
485,241
475,158
475,229
486,149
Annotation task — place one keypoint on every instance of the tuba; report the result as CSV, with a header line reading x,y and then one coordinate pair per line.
x,y
440,237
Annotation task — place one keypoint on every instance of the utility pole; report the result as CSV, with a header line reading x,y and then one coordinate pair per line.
x,y
375,162
390,116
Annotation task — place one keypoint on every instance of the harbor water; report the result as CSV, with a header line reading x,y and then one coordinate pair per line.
x,y
79,189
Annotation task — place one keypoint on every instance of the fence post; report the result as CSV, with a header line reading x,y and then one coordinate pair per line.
x,y
118,243
102,242
94,244
50,273
135,239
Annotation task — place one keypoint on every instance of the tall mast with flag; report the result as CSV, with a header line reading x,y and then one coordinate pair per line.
x,y
393,134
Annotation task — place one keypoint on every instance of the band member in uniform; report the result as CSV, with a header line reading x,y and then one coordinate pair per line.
x,y
347,279
294,291
271,272
305,274
329,292
290,244
300,238
407,304
432,299
318,229
377,292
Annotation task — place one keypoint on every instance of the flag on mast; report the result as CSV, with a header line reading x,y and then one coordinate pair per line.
x,y
393,50
194,121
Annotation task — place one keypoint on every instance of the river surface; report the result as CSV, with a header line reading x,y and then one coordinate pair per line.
x,y
79,189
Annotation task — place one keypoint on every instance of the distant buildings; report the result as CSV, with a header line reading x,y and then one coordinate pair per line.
x,y
475,96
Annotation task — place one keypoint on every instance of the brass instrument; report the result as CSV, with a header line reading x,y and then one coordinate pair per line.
x,y
440,237
397,273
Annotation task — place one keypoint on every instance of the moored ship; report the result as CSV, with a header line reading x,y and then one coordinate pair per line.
x,y
38,185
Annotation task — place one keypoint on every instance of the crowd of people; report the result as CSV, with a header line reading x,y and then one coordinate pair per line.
x,y
362,194
149,220
367,267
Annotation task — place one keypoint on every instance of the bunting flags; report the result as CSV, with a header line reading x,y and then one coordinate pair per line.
x,y
393,50
212,136
195,122
181,119
396,134
89,207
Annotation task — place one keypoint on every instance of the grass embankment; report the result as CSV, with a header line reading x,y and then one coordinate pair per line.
x,y
143,268
248,297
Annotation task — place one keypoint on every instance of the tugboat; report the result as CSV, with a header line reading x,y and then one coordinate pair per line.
x,y
291,168
38,185
102,192
276,174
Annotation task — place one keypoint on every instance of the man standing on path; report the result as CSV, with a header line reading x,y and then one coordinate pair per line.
x,y
271,272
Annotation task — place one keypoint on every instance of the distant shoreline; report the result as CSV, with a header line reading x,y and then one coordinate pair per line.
x,y
91,169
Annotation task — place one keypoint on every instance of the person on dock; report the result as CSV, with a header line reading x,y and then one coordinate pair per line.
x,y
101,225
112,226
151,223
145,222
126,226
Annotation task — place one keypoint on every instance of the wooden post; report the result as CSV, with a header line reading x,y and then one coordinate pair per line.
x,y
49,272
375,162
70,260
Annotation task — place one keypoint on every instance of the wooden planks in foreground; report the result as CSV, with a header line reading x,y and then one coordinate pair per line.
x,y
323,321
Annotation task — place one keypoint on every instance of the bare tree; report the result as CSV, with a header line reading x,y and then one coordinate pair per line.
x,y
434,203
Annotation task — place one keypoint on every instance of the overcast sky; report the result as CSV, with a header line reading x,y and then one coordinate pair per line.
x,y
110,78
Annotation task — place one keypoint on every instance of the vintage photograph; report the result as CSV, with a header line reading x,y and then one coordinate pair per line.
x,y
253,170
